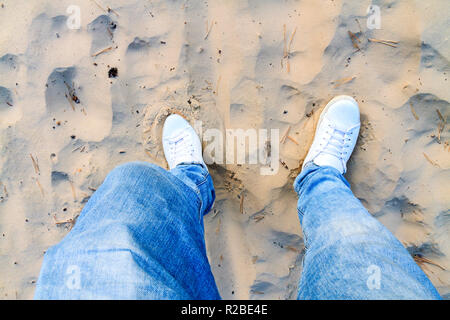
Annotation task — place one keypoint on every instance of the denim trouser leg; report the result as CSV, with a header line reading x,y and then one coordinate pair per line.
x,y
140,236
349,254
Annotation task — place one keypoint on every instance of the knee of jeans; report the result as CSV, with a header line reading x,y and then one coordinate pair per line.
x,y
348,227
132,168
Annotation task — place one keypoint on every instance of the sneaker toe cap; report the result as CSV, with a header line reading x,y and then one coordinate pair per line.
x,y
345,112
174,123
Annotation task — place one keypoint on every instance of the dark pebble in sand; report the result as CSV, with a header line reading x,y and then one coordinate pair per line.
x,y
113,73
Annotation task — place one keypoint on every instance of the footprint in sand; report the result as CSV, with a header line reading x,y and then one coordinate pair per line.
x,y
273,285
431,58
64,190
246,105
425,117
142,57
6,101
179,103
10,110
9,63
74,110
102,30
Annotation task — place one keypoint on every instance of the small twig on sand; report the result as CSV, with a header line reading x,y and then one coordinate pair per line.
x,y
218,226
290,41
381,40
35,164
102,51
291,248
70,101
287,48
440,129
440,115
216,92
433,163
40,187
208,30
73,190
98,5
283,138
257,292
241,205
293,140
343,81
385,42
413,111
70,221
359,25
420,260
5,192
441,124
284,42
288,67
258,218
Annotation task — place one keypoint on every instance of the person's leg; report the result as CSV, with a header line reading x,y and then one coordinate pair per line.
x,y
349,254
140,236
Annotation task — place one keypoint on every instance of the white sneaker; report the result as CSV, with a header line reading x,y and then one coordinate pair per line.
x,y
336,134
181,143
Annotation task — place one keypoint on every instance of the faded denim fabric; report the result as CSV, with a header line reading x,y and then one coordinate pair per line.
x,y
349,254
141,236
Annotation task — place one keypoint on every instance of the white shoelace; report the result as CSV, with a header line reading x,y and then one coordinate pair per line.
x,y
180,148
337,144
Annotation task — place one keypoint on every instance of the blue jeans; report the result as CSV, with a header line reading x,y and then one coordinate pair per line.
x,y
349,254
141,236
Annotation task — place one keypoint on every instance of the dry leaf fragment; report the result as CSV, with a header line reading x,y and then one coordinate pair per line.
x,y
354,39
284,164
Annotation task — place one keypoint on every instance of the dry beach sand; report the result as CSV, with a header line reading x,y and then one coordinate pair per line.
x,y
64,123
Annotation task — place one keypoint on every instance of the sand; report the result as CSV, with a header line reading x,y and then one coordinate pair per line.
x,y
64,123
